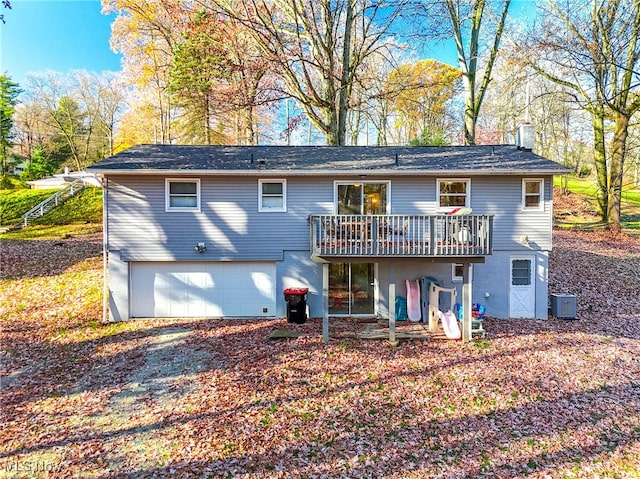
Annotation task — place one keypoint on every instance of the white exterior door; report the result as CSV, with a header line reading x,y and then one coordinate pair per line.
x,y
522,287
191,290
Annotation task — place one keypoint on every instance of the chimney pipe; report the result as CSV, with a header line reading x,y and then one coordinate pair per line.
x,y
525,137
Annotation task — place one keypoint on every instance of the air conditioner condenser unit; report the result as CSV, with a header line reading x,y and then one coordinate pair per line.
x,y
563,306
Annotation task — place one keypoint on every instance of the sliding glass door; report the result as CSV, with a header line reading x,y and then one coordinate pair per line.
x,y
362,198
351,289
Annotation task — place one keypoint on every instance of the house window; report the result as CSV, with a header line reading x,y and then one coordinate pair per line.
x,y
457,272
532,194
182,194
272,195
453,194
360,198
521,272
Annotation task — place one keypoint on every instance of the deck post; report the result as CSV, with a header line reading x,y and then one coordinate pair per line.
x,y
325,302
392,304
466,301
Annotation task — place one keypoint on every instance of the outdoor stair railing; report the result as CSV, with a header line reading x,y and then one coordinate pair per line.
x,y
50,203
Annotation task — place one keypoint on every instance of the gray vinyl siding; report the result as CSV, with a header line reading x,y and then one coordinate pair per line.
x,y
413,196
228,222
502,197
494,195
297,270
232,228
493,277
118,288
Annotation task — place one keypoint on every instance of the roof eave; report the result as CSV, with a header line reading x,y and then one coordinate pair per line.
x,y
332,172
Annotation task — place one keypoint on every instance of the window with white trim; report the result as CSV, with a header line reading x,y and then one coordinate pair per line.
x,y
453,193
457,272
362,198
532,191
182,194
272,195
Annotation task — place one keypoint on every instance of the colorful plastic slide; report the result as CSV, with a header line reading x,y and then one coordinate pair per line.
x,y
413,300
450,325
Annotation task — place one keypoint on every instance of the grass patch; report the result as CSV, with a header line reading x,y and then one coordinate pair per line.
x,y
12,182
587,189
631,197
583,186
15,203
56,232
85,207
82,208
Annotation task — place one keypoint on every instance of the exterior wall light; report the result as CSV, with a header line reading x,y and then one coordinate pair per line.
x,y
200,248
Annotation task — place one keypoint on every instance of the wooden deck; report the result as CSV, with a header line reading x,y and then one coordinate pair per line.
x,y
447,236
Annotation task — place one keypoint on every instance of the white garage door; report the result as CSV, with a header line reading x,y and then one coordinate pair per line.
x,y
191,290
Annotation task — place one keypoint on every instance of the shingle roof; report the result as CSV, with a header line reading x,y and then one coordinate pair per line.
x,y
295,160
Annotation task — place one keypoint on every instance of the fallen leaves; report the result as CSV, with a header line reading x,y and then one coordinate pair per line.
x,y
216,398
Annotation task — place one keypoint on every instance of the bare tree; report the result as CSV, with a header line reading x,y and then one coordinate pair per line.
x,y
81,109
473,24
103,96
592,48
32,127
319,48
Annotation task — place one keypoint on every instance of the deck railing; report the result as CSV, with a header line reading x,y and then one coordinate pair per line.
x,y
401,235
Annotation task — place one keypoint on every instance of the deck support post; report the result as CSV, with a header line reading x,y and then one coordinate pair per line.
x,y
392,304
466,301
325,302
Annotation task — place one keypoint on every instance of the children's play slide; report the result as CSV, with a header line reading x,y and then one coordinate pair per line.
x,y
450,325
413,300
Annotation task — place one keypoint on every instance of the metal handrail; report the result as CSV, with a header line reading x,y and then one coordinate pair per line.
x,y
54,200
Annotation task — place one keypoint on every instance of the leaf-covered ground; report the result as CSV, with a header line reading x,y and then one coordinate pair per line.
x,y
536,399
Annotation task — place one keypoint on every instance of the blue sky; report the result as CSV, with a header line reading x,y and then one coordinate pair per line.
x,y
63,35
57,35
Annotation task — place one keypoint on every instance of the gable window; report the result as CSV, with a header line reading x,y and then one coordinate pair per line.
x,y
272,195
182,194
532,194
453,194
362,198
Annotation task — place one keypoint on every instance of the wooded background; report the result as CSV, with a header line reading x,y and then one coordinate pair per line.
x,y
347,72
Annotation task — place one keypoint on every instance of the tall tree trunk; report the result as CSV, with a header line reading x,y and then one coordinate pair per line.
x,y
616,170
207,120
600,160
248,126
474,94
470,115
332,133
345,80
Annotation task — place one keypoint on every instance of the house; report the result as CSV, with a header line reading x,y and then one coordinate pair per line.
x,y
62,180
19,168
221,231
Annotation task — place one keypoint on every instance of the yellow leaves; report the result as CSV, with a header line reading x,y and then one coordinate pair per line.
x,y
422,90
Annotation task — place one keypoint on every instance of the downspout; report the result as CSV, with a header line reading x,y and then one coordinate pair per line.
x,y
467,314
393,341
325,302
105,268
